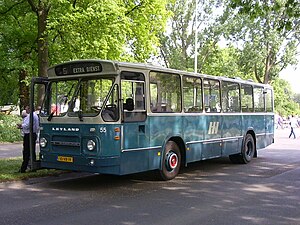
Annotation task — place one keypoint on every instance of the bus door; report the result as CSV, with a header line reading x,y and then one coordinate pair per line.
x,y
259,120
37,93
269,117
133,118
212,146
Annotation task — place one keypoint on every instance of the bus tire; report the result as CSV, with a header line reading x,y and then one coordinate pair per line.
x,y
171,161
247,153
248,149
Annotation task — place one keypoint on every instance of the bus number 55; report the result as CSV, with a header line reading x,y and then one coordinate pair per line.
x,y
102,129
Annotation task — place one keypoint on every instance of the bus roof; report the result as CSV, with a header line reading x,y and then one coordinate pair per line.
x,y
94,66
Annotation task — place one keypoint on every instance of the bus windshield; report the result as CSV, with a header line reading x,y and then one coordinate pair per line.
x,y
78,98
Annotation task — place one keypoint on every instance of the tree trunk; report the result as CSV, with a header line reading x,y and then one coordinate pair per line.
x,y
268,65
42,10
23,89
43,60
42,41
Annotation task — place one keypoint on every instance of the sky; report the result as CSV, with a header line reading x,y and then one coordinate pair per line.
x,y
292,75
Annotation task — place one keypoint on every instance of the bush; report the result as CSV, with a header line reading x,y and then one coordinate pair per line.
x,y
8,128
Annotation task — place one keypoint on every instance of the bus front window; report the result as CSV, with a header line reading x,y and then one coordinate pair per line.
x,y
58,97
78,98
90,96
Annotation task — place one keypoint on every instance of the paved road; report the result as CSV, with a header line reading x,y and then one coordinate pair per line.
x,y
264,192
8,150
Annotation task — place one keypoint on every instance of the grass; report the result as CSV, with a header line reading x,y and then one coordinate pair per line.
x,y
10,166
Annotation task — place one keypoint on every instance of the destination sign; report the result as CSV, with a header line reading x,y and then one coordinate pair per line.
x,y
78,68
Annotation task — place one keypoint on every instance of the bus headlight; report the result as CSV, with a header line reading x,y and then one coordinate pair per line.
x,y
90,145
43,142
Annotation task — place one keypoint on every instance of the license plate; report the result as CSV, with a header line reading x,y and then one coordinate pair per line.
x,y
65,159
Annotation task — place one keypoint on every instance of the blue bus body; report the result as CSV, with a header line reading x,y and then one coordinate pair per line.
x,y
136,146
140,146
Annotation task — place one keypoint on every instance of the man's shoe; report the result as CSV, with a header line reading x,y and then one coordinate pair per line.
x,y
21,171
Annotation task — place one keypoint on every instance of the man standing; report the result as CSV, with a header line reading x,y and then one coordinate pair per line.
x,y
293,124
25,126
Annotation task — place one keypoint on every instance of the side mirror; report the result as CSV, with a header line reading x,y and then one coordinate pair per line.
x,y
129,105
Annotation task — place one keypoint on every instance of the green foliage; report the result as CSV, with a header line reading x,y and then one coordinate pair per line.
x,y
260,41
106,29
224,62
256,28
177,46
8,128
286,10
17,44
283,98
116,30
10,166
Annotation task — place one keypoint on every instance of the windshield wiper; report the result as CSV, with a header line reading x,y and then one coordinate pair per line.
x,y
80,115
66,97
50,116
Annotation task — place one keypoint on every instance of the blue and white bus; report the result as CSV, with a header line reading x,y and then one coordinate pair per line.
x,y
119,118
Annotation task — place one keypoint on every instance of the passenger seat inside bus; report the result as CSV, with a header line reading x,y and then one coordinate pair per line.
x,y
163,107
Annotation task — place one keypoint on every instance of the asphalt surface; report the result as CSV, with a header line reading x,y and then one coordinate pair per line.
x,y
263,192
8,150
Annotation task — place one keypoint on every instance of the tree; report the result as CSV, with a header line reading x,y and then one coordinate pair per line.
x,y
50,32
283,98
288,11
297,98
178,43
268,45
224,62
17,51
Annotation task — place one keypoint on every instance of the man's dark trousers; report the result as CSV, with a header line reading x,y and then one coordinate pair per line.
x,y
26,150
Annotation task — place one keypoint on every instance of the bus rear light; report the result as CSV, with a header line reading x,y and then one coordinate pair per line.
x,y
117,129
117,138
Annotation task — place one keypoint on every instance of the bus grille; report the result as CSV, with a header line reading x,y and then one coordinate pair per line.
x,y
66,145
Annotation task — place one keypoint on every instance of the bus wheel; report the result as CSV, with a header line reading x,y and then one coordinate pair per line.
x,y
171,161
248,149
247,152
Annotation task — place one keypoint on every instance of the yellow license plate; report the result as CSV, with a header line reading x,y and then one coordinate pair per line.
x,y
65,159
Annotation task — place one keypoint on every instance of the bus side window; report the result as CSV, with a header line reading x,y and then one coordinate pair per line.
x,y
247,98
259,102
132,90
269,100
192,94
230,97
165,92
211,89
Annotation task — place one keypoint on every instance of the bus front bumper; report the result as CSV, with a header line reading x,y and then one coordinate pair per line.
x,y
105,165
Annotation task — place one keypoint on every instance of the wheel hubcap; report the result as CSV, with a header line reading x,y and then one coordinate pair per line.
x,y
172,161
